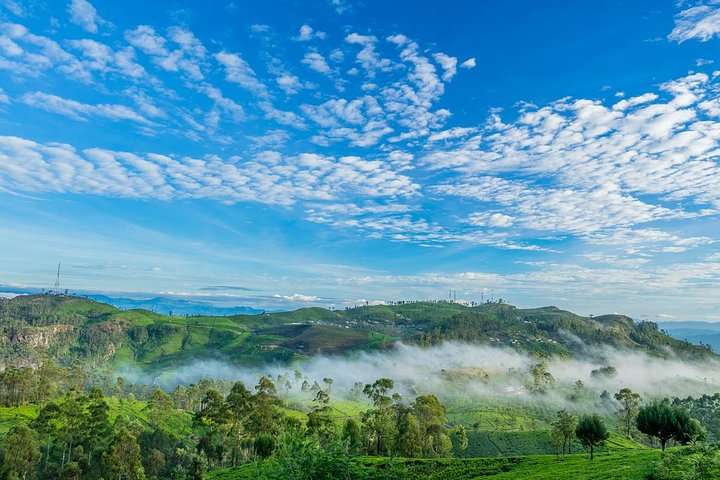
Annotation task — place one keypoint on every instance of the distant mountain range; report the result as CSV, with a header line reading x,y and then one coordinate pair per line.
x,y
694,332
174,306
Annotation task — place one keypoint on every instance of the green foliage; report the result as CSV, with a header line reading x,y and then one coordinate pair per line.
x,y
619,465
698,462
123,459
20,452
665,421
706,408
591,432
629,406
563,430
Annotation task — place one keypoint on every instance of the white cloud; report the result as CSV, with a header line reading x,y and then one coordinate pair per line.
x,y
646,146
307,33
267,177
289,83
701,22
581,212
449,65
238,71
452,133
80,111
469,63
337,55
283,117
368,57
14,7
298,297
488,219
316,62
341,6
27,54
84,15
271,139
101,58
186,57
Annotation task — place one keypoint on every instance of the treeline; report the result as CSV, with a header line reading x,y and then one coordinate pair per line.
x,y
661,420
546,332
104,431
243,426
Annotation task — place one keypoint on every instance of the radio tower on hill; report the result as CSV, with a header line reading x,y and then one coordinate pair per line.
x,y
56,289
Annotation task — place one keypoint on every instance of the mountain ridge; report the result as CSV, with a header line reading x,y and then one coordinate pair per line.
x,y
67,328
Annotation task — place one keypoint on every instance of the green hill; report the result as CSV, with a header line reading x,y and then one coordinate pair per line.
x,y
67,328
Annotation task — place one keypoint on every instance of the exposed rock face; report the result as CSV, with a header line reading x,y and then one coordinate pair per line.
x,y
38,337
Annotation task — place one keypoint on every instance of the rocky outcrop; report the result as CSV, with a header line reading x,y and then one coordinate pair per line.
x,y
37,337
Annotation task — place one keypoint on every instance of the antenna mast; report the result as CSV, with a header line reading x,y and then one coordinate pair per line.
x,y
57,280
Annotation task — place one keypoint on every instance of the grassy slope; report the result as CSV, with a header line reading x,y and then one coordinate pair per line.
x,y
11,416
178,424
615,465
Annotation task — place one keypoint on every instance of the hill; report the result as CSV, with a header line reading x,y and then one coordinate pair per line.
x,y
68,328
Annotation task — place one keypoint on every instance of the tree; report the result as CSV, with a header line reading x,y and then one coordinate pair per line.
x,y
123,459
267,415
73,423
320,423
302,457
21,452
542,378
604,372
629,404
352,436
154,463
160,408
380,422
431,417
198,467
410,439
462,438
238,405
664,421
591,432
564,428
72,471
97,426
558,441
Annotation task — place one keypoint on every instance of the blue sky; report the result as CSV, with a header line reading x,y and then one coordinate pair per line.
x,y
278,153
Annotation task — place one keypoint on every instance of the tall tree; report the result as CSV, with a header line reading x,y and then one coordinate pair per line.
x,y
267,415
123,460
410,441
319,422
462,438
380,421
629,405
97,426
238,405
21,452
160,408
352,436
432,419
564,427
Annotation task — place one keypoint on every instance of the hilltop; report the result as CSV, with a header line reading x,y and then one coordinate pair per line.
x,y
66,328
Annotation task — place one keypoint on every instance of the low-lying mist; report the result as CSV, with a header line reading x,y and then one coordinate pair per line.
x,y
465,372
